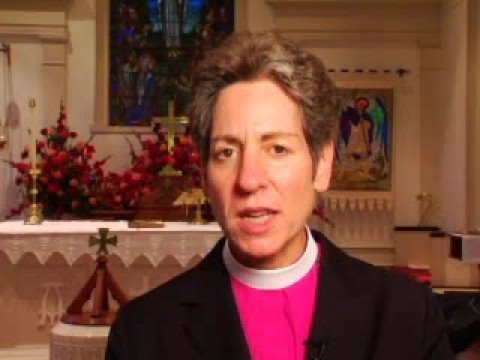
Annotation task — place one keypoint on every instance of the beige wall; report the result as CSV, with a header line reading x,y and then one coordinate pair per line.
x,y
432,117
26,82
81,65
406,117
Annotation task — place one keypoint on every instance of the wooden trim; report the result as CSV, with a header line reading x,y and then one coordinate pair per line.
x,y
99,128
44,33
102,66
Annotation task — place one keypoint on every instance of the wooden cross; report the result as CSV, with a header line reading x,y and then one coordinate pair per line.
x,y
171,120
97,288
103,241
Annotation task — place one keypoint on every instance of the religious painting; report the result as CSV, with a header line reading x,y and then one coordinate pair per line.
x,y
363,150
153,46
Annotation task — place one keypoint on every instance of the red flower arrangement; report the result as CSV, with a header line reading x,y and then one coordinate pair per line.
x,y
69,176
71,182
123,191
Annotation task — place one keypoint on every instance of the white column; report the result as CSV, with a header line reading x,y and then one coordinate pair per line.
x,y
473,126
454,138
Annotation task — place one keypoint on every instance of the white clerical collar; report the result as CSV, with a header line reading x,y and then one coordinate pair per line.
x,y
276,278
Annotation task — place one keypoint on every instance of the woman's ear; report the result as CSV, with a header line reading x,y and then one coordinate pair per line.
x,y
324,168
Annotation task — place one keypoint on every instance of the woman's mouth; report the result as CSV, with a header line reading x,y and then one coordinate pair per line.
x,y
256,221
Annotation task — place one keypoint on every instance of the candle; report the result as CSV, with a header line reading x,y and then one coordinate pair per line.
x,y
33,132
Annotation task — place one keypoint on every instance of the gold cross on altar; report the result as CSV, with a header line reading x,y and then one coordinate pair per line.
x,y
102,241
171,120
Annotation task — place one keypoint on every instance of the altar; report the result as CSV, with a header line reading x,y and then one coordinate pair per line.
x,y
43,267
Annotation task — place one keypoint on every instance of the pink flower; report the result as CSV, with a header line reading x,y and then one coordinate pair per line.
x,y
194,158
74,182
65,134
170,160
51,152
22,167
60,158
57,175
52,187
147,143
136,176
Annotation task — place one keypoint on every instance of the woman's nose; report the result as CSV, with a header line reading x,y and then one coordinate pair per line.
x,y
251,173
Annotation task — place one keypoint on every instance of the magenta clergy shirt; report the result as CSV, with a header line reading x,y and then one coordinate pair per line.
x,y
276,314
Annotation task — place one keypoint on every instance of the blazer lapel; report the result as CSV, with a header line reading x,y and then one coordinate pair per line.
x,y
343,312
212,322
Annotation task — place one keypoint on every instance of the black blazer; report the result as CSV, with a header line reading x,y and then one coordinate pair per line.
x,y
362,312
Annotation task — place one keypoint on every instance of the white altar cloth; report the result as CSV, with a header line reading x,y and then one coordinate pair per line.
x,y
70,238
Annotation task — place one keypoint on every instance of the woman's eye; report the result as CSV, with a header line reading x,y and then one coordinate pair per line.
x,y
279,149
223,153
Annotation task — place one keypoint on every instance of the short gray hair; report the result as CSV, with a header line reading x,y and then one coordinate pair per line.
x,y
251,56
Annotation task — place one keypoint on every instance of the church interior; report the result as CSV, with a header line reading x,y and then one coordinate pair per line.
x,y
424,221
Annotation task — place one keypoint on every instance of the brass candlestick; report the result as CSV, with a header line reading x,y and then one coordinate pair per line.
x,y
3,141
426,207
193,197
3,134
199,198
34,216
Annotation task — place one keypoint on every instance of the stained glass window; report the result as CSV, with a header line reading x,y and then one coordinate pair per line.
x,y
153,46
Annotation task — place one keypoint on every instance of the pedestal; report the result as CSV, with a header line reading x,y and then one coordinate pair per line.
x,y
412,246
453,269
78,342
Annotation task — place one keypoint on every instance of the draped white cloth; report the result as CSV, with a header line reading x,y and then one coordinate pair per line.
x,y
71,239
68,342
